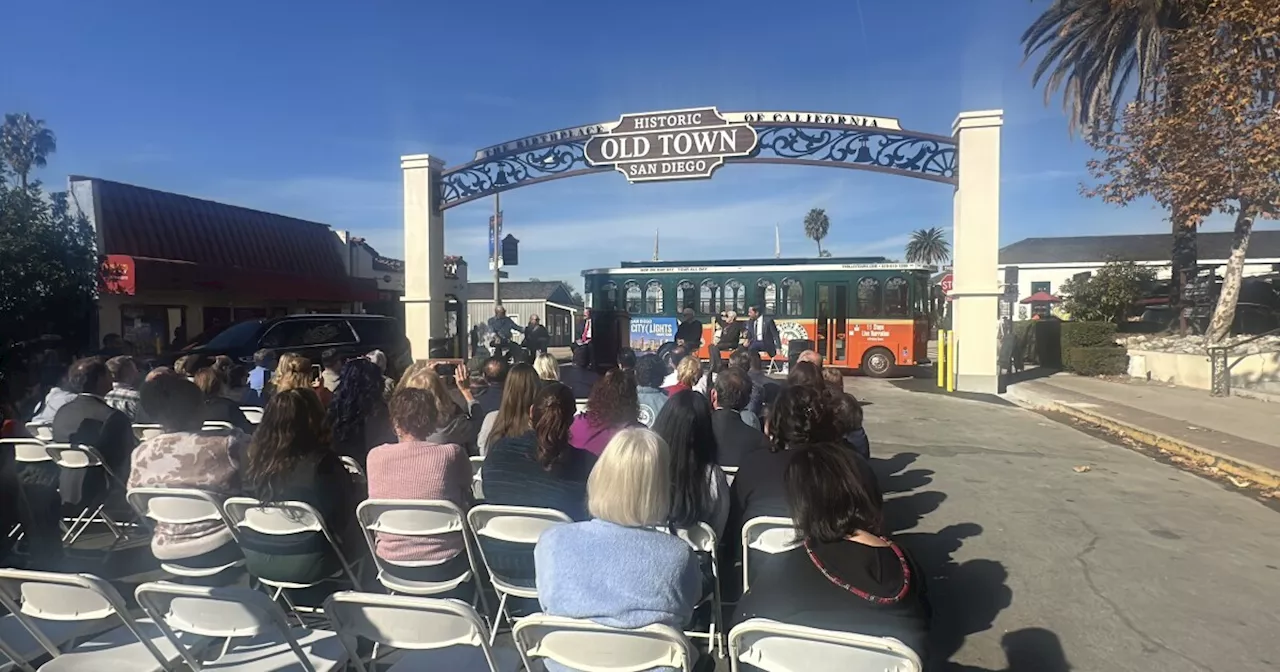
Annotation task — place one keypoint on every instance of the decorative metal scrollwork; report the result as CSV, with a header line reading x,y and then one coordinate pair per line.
x,y
513,169
915,155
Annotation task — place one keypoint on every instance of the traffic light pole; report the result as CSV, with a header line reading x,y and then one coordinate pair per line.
x,y
495,228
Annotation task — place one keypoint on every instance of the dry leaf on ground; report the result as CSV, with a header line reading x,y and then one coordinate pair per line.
x,y
1239,482
1082,468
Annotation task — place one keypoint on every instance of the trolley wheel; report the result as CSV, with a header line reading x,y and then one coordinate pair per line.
x,y
878,362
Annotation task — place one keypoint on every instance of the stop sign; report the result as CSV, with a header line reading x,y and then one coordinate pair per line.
x,y
946,284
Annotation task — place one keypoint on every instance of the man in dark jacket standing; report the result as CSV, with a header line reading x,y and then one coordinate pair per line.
x,y
536,336
88,420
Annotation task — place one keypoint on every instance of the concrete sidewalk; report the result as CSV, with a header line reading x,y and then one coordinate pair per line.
x,y
1238,435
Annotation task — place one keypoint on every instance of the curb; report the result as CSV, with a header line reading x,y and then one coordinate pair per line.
x,y
1205,457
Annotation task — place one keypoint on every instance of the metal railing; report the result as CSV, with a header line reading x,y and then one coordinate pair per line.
x,y
1220,367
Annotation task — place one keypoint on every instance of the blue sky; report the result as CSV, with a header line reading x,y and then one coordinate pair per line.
x,y
305,108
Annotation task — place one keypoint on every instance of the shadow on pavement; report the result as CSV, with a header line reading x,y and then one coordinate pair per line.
x,y
1027,650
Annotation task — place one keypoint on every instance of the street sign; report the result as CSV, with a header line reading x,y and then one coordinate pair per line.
x,y
947,283
671,145
510,251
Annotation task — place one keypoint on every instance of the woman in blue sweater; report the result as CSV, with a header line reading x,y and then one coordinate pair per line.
x,y
616,569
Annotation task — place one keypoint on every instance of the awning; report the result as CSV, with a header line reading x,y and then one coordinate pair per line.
x,y
1041,297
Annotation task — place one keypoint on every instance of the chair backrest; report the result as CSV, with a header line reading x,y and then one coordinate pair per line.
x,y
73,456
252,413
518,524
406,622
215,425
477,479
407,518
42,432
26,450
282,518
730,473
225,613
701,538
767,534
777,647
353,466
580,406
142,431
584,645
177,506
33,595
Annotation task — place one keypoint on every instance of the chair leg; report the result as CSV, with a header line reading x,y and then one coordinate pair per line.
x,y
68,530
497,619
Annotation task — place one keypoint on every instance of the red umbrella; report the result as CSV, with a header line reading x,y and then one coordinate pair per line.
x,y
1041,297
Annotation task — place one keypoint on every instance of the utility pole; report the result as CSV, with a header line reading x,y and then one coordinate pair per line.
x,y
495,233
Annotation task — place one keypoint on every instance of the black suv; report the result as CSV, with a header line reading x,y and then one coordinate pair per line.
x,y
310,335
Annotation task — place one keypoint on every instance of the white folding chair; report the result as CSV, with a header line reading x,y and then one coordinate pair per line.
x,y
514,524
702,539
415,518
353,467
182,506
38,599
256,633
584,645
428,633
26,450
216,425
730,473
777,647
80,456
279,519
252,413
143,432
40,431
768,534
477,482
580,406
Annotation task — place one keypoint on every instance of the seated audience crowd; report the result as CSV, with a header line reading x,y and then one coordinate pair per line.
x,y
641,462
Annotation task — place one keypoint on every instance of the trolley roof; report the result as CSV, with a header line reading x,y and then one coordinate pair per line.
x,y
757,265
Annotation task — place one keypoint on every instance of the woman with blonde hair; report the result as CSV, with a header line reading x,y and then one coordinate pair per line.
x,y
688,375
454,423
294,372
547,366
652,577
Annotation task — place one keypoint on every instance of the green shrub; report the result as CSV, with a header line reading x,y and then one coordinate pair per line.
x,y
1087,335
1098,361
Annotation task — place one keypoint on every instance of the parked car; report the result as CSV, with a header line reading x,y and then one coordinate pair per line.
x,y
310,335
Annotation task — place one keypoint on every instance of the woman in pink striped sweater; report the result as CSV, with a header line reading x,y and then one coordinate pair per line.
x,y
416,469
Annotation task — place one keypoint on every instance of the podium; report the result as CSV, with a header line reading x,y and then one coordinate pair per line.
x,y
610,332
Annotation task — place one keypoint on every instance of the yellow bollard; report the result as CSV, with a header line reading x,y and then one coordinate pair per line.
x,y
951,361
941,364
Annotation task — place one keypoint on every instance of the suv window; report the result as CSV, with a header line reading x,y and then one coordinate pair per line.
x,y
377,331
299,333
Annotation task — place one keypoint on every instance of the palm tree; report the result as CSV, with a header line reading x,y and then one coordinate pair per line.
x,y
25,143
929,247
1091,50
816,226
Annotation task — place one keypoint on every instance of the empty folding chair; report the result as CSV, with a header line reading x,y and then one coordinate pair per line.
x,y
766,534
702,539
38,599
521,525
769,645
426,633
280,519
80,456
252,413
584,645
216,425
42,432
477,479
26,450
182,506
415,518
19,648
142,431
255,631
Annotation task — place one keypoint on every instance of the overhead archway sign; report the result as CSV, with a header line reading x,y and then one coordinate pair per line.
x,y
670,145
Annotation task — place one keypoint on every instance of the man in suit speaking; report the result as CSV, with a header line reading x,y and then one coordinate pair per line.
x,y
762,333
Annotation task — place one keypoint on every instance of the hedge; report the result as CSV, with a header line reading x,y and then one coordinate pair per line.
x,y
1087,335
1098,361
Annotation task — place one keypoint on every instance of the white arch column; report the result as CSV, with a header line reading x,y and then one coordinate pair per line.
x,y
975,250
423,253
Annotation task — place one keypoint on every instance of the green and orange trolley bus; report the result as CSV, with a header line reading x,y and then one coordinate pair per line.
x,y
860,312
